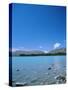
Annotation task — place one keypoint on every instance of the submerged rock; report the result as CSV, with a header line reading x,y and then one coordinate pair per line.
x,y
17,70
60,78
42,83
13,81
47,73
53,82
21,84
49,68
34,80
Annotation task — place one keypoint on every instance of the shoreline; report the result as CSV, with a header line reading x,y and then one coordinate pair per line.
x,y
35,55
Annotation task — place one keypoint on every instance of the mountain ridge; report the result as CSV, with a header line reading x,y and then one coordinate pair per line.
x,y
61,51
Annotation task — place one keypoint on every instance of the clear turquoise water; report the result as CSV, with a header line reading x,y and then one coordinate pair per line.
x,y
34,70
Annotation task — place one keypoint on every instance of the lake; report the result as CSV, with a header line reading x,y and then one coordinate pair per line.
x,y
38,70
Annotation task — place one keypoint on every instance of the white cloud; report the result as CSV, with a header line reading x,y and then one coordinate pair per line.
x,y
14,49
40,47
46,51
56,45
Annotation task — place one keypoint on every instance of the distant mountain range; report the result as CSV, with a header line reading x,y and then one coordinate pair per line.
x,y
61,51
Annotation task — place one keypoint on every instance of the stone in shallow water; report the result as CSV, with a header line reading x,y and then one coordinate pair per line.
x,y
49,68
17,70
12,81
41,83
21,84
60,79
47,73
34,80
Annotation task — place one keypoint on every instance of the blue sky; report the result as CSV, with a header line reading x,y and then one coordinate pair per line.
x,y
38,27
